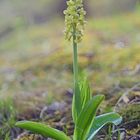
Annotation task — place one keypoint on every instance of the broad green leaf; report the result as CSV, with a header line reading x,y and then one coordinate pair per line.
x,y
85,93
86,117
76,103
42,129
101,121
82,96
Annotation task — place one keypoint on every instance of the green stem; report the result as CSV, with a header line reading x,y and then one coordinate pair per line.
x,y
75,59
76,97
75,71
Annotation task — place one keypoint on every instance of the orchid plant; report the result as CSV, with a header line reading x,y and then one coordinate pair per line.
x,y
84,106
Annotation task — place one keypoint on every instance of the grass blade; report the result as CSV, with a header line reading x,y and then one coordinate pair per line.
x,y
103,120
43,130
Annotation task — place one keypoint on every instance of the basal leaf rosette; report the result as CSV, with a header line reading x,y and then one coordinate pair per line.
x,y
74,20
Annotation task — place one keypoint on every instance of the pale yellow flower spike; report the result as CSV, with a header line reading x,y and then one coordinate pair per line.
x,y
74,17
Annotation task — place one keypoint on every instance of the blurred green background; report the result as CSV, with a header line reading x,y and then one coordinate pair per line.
x,y
36,61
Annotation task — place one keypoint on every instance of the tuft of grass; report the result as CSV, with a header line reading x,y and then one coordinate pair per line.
x,y
7,118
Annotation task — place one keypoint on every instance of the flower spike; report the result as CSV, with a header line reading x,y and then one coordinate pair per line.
x,y
74,20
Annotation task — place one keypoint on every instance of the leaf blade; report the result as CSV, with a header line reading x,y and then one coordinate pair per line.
x,y
86,117
42,129
81,96
76,103
85,91
101,121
